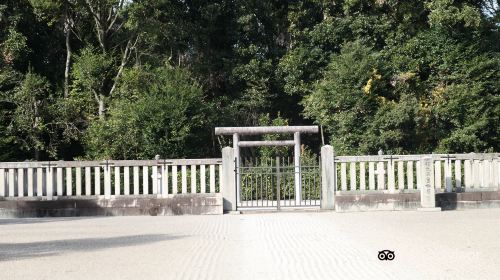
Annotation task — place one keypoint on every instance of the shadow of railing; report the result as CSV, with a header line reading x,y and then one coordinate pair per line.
x,y
42,220
11,251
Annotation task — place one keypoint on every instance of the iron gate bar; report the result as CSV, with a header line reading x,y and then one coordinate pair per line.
x,y
307,182
267,193
278,185
274,192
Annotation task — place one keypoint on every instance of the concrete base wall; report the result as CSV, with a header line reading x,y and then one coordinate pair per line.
x,y
377,202
468,200
180,204
345,202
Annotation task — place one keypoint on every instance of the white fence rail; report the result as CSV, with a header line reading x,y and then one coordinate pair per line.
x,y
399,173
383,173
109,178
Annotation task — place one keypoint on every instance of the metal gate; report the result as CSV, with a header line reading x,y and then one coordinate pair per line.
x,y
270,183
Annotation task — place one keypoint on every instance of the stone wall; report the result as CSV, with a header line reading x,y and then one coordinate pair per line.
x,y
468,200
179,204
376,201
346,202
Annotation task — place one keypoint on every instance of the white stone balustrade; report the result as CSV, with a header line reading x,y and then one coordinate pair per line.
x,y
54,179
398,173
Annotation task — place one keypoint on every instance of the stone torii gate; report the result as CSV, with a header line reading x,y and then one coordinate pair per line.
x,y
261,130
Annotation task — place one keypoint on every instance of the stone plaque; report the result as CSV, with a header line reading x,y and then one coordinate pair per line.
x,y
427,192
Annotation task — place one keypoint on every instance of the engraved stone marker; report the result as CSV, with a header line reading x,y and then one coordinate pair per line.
x,y
427,192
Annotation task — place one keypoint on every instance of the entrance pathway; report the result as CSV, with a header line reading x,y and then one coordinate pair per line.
x,y
302,245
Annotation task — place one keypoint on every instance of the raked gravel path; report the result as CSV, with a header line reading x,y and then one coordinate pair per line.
x,y
298,245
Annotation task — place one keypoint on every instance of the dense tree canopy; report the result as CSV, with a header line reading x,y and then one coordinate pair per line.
x,y
128,79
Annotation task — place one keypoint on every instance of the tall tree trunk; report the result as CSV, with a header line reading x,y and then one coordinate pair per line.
x,y
67,31
125,58
105,27
35,127
102,108
99,98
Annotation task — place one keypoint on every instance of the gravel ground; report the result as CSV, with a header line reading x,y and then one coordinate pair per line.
x,y
302,245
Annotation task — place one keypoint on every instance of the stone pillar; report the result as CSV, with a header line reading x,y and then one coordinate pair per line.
x,y
328,180
107,181
427,191
236,148
296,161
228,179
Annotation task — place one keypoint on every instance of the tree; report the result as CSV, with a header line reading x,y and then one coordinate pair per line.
x,y
167,118
271,152
260,38
348,96
31,116
116,41
403,76
63,14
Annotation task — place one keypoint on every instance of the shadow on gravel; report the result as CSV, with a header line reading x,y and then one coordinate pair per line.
x,y
25,221
12,251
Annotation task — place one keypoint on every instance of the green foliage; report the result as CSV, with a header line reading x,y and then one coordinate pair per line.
x,y
256,96
272,152
14,47
132,79
48,9
451,12
346,99
9,81
90,71
166,119
30,120
418,77
469,112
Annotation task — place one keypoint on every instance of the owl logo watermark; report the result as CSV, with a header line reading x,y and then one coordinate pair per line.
x,y
386,255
